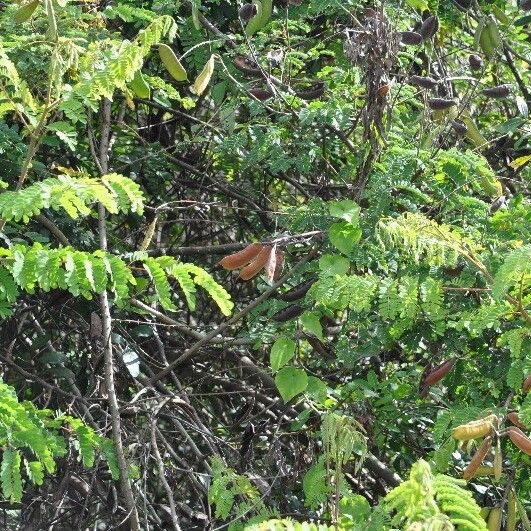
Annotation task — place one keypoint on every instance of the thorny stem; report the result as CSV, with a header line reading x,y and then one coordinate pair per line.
x,y
106,320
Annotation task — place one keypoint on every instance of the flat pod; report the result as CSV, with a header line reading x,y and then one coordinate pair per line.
x,y
297,292
475,62
24,12
203,79
247,11
474,429
312,93
515,419
248,67
520,439
241,258
499,92
424,82
459,127
172,64
477,458
527,384
410,38
464,5
262,258
140,86
439,372
498,461
441,104
287,314
261,94
429,27
494,520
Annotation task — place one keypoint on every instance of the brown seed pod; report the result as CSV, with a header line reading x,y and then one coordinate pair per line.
x,y
474,429
286,314
319,347
248,67
279,267
438,373
383,90
312,93
515,419
464,5
477,458
247,11
410,38
424,82
440,104
459,127
261,94
499,93
257,264
429,28
519,439
298,292
527,384
475,62
241,258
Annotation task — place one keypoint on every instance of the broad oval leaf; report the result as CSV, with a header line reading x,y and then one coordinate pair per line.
x,y
282,351
291,382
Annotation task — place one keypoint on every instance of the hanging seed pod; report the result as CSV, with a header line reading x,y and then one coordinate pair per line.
x,y
441,104
498,461
298,292
410,38
241,258
424,82
489,38
429,28
527,384
261,94
287,314
257,264
474,429
494,521
459,127
511,510
477,459
519,439
172,64
247,11
499,93
475,62
312,93
248,67
515,419
464,5
438,373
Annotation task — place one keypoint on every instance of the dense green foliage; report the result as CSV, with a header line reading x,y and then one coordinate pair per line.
x,y
385,176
